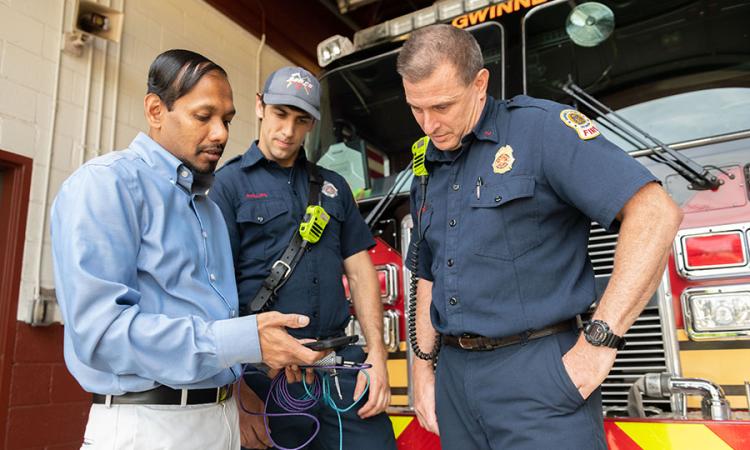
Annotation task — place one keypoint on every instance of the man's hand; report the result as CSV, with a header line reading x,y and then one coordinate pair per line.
x,y
588,365
424,395
252,429
293,374
277,347
380,389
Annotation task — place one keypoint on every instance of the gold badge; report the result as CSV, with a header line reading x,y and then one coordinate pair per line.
x,y
503,159
582,124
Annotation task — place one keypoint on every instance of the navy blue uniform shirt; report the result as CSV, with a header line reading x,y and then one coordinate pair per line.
x,y
263,205
507,217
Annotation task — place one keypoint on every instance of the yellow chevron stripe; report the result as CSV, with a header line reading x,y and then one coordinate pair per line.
x,y
400,423
677,436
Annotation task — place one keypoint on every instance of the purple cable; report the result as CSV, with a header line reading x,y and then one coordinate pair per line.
x,y
279,392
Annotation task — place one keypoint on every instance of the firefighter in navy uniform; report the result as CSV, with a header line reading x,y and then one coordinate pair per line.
x,y
264,195
502,255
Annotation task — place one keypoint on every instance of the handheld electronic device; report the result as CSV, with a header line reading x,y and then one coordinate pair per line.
x,y
332,343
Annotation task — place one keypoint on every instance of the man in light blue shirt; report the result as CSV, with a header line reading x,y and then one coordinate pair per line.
x,y
145,279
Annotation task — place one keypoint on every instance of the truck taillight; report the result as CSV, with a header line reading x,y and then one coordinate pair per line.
x,y
716,250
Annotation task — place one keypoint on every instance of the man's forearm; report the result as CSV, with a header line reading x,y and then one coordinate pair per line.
x,y
365,292
648,228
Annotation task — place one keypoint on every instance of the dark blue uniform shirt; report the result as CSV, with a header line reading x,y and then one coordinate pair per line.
x,y
507,217
263,205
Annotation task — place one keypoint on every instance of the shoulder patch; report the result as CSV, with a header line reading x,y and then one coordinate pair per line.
x,y
579,122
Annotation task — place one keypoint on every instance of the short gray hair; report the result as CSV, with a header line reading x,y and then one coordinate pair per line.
x,y
427,47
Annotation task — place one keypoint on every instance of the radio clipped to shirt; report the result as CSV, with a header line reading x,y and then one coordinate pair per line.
x,y
313,224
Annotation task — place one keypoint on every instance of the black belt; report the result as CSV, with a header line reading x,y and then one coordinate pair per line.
x,y
482,343
164,395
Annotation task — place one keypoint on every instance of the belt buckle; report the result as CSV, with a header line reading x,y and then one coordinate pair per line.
x,y
461,343
286,266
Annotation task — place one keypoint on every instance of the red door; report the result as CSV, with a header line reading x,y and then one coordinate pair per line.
x,y
15,183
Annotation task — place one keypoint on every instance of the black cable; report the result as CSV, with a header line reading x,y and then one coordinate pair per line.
x,y
413,268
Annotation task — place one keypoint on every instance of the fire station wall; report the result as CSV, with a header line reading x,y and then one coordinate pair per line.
x,y
98,100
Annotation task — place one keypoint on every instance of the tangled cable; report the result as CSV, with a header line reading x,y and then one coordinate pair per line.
x,y
319,389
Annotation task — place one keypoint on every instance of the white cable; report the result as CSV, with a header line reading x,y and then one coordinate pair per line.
x,y
257,80
86,100
116,88
48,164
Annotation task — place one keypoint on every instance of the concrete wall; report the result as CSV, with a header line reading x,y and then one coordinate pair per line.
x,y
99,96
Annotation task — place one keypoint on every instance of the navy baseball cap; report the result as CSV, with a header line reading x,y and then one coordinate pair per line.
x,y
293,86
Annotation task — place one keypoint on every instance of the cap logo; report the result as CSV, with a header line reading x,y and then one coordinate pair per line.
x,y
299,82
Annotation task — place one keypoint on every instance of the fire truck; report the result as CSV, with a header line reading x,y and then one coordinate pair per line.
x,y
667,81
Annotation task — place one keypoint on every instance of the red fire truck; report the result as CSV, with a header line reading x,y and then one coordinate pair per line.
x,y
669,82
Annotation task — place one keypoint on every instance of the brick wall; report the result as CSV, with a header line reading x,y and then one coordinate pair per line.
x,y
47,409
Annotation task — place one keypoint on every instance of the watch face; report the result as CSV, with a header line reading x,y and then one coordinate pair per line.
x,y
596,332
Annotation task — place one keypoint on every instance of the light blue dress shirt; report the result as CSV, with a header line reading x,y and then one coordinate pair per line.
x,y
144,276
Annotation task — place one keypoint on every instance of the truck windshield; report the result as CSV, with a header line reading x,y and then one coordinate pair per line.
x,y
688,116
366,129
678,69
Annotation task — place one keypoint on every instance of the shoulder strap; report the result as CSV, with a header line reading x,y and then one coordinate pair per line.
x,y
282,269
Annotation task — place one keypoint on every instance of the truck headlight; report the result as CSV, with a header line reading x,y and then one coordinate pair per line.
x,y
717,312
333,48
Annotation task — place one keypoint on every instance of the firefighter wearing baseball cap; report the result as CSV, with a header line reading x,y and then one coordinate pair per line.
x,y
263,195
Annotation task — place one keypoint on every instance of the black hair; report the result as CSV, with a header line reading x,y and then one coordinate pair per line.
x,y
175,72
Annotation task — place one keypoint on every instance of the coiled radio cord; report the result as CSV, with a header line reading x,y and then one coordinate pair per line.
x,y
413,268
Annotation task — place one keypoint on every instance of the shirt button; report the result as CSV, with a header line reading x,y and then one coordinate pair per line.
x,y
232,313
212,277
315,314
205,235
453,301
315,280
450,263
184,174
260,218
498,198
452,222
456,187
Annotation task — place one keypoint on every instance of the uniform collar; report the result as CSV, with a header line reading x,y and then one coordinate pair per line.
x,y
169,166
484,130
486,127
253,156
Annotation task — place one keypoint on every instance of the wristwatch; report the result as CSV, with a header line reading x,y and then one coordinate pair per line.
x,y
598,333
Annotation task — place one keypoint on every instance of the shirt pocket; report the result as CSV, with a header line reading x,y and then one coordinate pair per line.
x,y
504,221
262,226
332,233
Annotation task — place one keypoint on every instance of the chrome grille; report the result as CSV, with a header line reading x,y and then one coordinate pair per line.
x,y
602,250
644,352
